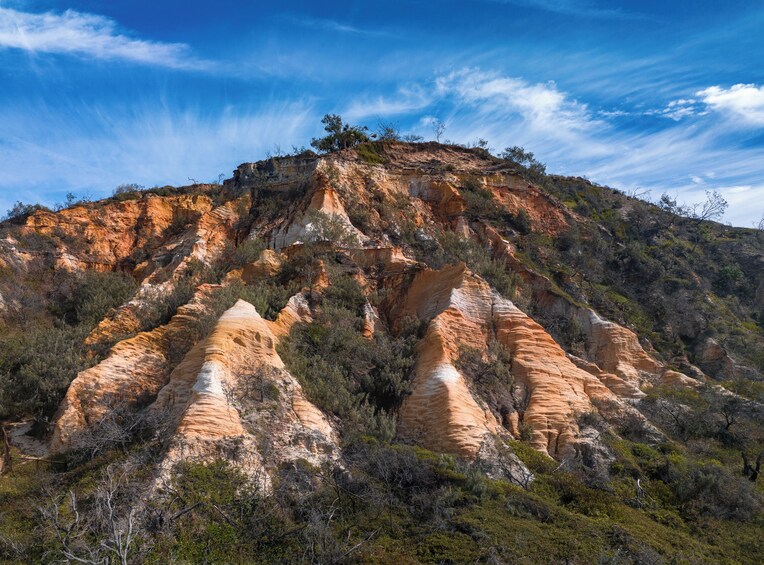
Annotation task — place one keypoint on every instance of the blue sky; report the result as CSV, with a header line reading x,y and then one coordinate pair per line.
x,y
644,96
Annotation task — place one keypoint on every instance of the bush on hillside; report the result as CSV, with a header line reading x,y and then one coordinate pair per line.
x,y
39,358
20,212
360,380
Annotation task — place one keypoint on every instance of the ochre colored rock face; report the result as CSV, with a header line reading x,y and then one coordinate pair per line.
x,y
135,370
112,233
559,391
617,350
203,404
231,385
442,414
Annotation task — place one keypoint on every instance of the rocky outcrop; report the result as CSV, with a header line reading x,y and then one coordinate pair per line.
x,y
267,265
233,386
325,203
558,390
715,361
103,235
199,243
443,414
132,375
442,194
622,388
616,349
282,173
230,390
516,194
390,259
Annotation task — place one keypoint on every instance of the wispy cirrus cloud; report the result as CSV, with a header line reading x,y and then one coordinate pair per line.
x,y
740,104
679,109
89,35
580,8
90,149
334,26
404,101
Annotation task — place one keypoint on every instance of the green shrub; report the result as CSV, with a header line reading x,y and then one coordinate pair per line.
x,y
534,460
729,277
182,219
158,309
85,298
711,490
521,222
21,212
491,376
234,257
340,135
525,159
360,380
477,258
40,357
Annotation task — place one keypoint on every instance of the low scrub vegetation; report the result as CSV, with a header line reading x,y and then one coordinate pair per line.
x,y
41,353
360,380
388,502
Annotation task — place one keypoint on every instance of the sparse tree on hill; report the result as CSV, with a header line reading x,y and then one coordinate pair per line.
x,y
340,135
126,188
388,131
438,128
673,210
412,138
525,159
712,209
21,211
103,531
670,205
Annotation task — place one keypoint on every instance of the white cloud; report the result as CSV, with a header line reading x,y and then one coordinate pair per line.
x,y
613,113
739,189
743,101
696,179
406,100
744,203
679,109
541,106
78,33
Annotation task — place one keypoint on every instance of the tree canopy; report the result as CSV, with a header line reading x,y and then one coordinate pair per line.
x,y
340,135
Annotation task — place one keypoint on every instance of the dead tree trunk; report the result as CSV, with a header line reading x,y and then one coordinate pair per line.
x,y
752,471
7,463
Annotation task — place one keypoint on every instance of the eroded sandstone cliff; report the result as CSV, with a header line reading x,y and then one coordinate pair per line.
x,y
226,387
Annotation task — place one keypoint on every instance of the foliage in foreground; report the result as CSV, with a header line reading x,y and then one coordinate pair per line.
x,y
388,503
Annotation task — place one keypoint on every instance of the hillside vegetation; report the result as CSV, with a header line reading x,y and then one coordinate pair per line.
x,y
391,352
